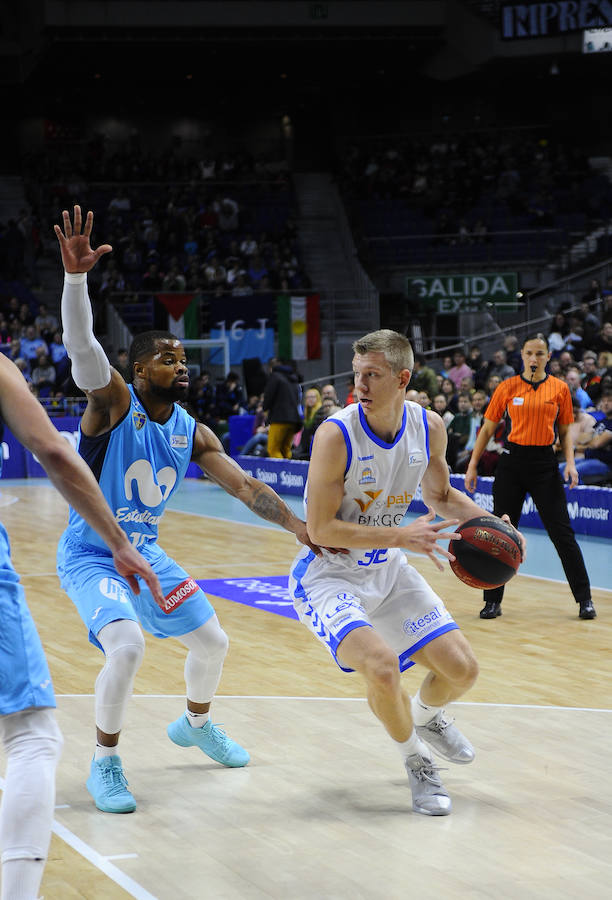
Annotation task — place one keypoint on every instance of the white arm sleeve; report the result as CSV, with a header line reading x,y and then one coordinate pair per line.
x,y
90,366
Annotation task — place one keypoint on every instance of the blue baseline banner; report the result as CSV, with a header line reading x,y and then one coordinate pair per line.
x,y
17,462
589,507
286,476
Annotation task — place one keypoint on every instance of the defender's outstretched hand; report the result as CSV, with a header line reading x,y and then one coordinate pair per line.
x,y
77,255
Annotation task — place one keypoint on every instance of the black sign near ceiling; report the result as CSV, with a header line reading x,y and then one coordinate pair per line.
x,y
531,20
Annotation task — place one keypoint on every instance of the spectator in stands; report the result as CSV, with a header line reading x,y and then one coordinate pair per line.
x,y
596,464
423,399
241,287
513,353
5,335
573,377
580,431
248,246
492,382
174,280
450,392
459,369
122,364
603,341
350,397
566,360
312,404
30,343
26,316
227,212
604,362
23,367
281,403
558,331
590,322
447,364
478,400
423,376
45,323
591,379
328,392
43,374
478,365
440,406
459,430
499,366
229,399
256,270
152,279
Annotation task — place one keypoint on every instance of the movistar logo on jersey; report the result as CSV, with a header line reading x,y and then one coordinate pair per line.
x,y
153,487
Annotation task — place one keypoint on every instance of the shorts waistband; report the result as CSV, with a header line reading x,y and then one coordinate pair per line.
x,y
530,451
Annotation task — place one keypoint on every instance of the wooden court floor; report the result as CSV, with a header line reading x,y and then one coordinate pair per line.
x,y
323,809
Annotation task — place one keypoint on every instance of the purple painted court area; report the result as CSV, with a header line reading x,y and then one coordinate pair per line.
x,y
270,592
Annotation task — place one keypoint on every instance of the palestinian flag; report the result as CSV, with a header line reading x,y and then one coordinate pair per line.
x,y
183,314
299,327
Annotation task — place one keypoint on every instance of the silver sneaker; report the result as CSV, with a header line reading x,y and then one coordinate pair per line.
x,y
446,740
429,796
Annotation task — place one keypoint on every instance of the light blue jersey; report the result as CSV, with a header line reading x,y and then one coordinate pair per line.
x,y
138,465
24,674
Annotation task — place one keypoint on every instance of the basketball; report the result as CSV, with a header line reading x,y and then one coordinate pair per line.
x,y
488,554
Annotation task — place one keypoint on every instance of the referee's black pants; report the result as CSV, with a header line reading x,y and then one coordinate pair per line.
x,y
535,470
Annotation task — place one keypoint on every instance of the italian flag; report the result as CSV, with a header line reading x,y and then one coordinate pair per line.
x,y
299,327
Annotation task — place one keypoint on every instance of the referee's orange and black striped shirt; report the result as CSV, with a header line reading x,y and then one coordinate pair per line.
x,y
533,410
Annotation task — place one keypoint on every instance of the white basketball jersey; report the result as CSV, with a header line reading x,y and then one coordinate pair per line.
x,y
380,479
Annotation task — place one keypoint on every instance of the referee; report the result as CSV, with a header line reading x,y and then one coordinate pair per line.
x,y
535,402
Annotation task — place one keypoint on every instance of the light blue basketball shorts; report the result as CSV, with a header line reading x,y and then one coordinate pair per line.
x,y
101,595
25,680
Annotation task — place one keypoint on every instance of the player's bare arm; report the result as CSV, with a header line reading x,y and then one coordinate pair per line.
x,y
209,454
69,474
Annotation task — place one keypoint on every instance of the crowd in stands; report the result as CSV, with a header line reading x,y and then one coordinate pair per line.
x,y
477,194
177,222
30,337
459,387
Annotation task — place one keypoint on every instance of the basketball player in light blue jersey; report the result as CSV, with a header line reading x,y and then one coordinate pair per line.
x,y
375,613
29,733
138,441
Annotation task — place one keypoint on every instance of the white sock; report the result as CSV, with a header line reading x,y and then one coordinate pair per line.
x,y
413,745
22,877
102,752
197,720
421,712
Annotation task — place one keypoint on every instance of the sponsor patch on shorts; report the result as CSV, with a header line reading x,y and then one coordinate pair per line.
x,y
180,593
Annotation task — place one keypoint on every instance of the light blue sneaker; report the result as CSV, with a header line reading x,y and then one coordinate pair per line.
x,y
210,739
108,786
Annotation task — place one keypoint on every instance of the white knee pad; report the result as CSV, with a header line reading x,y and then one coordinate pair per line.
x,y
208,647
33,745
124,647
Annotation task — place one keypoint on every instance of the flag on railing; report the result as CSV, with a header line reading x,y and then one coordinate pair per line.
x,y
299,327
183,314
